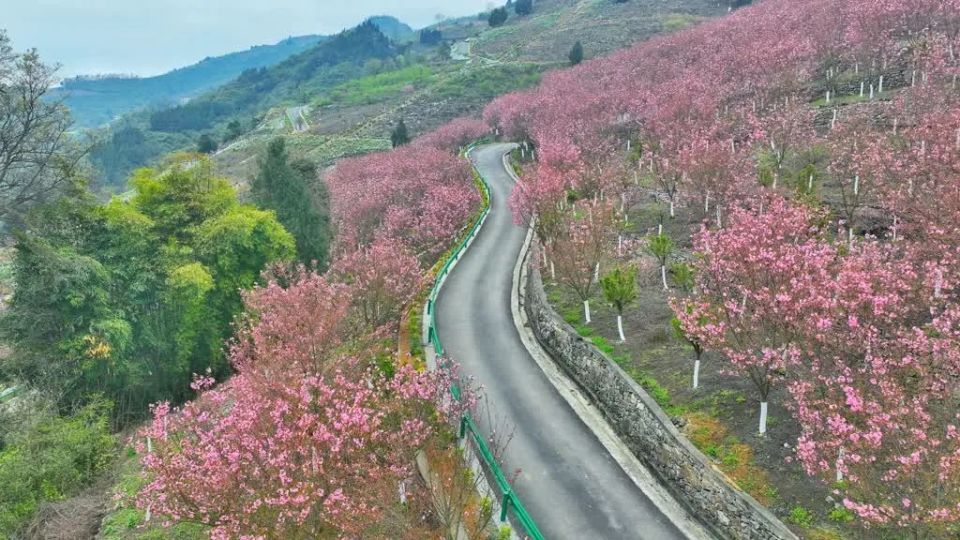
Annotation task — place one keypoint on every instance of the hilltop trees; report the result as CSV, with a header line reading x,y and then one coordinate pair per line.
x,y
285,188
498,17
523,7
37,159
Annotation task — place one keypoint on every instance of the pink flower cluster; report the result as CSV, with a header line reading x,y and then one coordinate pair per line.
x,y
307,439
831,239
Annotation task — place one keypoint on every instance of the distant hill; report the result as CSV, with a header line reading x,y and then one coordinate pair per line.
x,y
94,101
233,108
393,28
97,100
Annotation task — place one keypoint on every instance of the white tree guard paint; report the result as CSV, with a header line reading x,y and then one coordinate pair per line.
x,y
663,276
620,328
586,311
696,374
763,417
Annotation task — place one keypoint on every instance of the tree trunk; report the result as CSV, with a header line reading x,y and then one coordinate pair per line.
x,y
763,417
663,275
620,328
696,374
672,214
586,311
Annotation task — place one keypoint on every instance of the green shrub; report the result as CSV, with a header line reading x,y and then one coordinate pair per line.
x,y
801,516
841,515
51,460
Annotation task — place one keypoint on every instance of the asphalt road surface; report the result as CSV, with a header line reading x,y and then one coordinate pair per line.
x,y
568,481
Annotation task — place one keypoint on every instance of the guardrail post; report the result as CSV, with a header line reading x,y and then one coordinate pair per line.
x,y
463,426
505,505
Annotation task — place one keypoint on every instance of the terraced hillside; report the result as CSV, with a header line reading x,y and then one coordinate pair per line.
x,y
356,116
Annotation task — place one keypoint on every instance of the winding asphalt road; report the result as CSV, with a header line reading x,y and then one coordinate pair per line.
x,y
569,482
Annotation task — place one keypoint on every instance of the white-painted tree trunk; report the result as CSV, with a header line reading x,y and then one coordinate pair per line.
x,y
880,89
839,461
659,229
871,90
696,374
863,88
553,271
719,218
810,184
672,214
828,97
620,328
628,145
663,275
619,245
763,417
586,311
706,203
596,272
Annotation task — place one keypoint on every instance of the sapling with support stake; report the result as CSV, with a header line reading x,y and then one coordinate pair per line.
x,y
661,246
620,289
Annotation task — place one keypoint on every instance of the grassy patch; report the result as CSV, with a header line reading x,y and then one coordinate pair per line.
x,y
672,22
376,88
733,457
127,522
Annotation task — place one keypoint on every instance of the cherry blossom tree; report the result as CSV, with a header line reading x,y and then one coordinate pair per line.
x,y
309,439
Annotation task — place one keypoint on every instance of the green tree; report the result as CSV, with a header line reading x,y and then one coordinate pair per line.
x,y
523,7
234,131
128,299
498,17
399,136
284,187
661,247
206,144
620,289
576,54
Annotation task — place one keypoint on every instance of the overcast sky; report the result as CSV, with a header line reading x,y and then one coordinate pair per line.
x,y
147,37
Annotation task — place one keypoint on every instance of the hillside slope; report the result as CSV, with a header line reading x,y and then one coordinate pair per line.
x,y
357,117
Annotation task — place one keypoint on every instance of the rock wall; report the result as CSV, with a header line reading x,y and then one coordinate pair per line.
x,y
645,428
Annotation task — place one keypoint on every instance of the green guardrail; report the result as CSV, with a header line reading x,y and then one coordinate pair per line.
x,y
509,500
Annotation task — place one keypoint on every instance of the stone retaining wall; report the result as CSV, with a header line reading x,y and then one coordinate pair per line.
x,y
645,428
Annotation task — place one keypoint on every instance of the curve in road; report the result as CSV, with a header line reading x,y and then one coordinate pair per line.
x,y
569,482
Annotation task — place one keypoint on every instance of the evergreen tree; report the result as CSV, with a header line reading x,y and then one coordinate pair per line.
x,y
206,144
523,7
498,17
400,136
576,53
284,187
